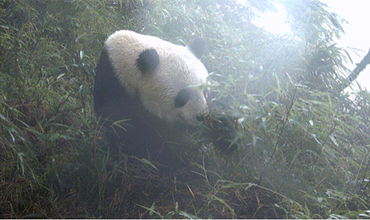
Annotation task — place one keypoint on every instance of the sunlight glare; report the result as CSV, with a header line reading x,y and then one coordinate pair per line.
x,y
274,22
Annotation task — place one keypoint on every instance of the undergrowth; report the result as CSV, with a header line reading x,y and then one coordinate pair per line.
x,y
304,144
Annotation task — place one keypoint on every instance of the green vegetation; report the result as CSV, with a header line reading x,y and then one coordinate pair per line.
x,y
304,150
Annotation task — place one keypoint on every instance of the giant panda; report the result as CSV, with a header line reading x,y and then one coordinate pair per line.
x,y
149,92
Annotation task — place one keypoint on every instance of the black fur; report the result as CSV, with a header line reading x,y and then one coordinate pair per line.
x,y
223,134
107,89
148,61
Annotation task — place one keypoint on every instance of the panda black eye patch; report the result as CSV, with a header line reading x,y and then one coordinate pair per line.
x,y
148,60
182,98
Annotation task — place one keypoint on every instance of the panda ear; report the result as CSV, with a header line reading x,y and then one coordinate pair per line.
x,y
198,47
148,61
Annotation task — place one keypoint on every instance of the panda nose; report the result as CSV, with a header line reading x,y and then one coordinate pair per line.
x,y
200,118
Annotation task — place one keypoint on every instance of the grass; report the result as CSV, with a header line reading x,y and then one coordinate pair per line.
x,y
303,152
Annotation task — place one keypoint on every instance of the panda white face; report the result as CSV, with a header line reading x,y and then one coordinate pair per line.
x,y
168,78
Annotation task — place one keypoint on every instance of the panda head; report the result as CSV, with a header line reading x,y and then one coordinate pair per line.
x,y
167,78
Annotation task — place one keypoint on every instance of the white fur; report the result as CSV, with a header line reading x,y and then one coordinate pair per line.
x,y
178,69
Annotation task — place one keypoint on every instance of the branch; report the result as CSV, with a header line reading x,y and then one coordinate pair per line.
x,y
359,68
